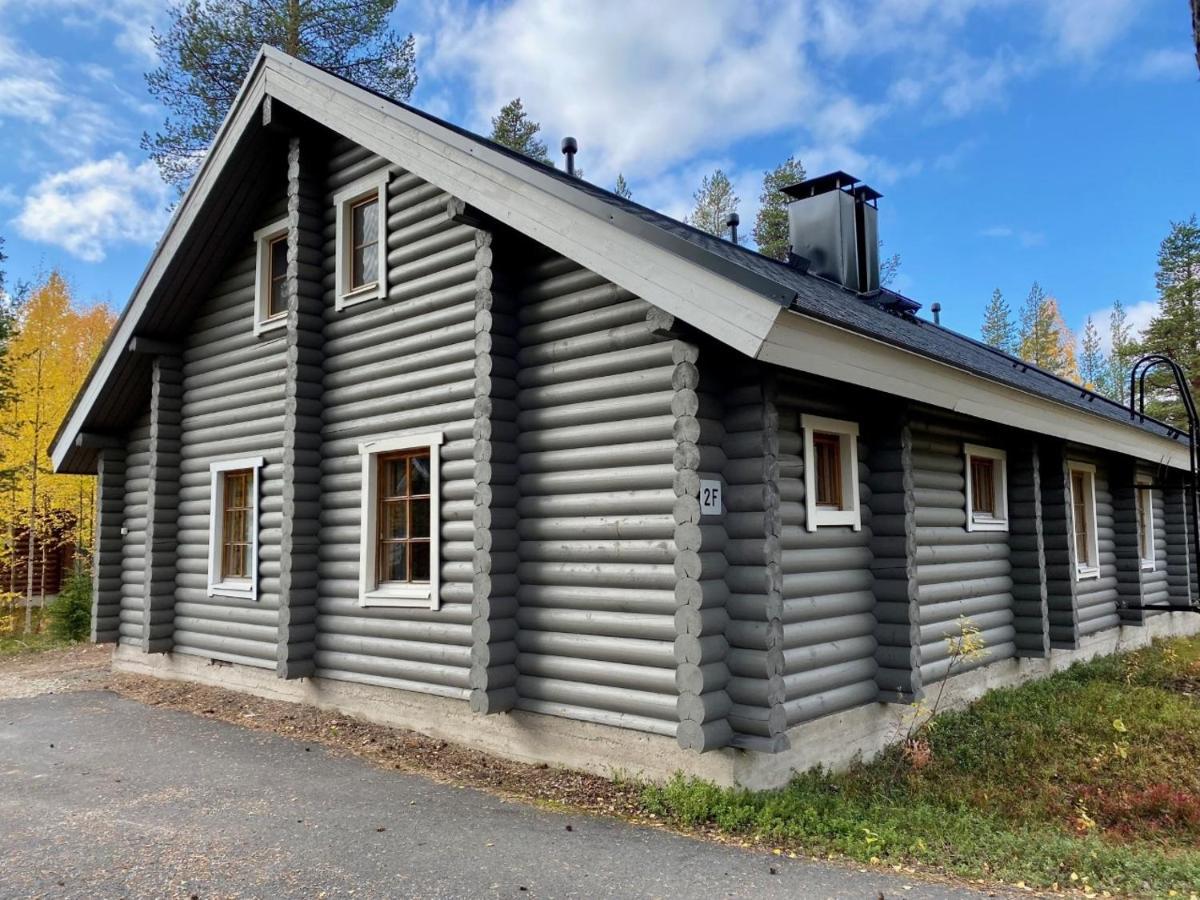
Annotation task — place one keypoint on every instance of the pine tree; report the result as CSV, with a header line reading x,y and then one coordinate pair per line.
x,y
1093,366
513,128
621,188
1045,339
715,200
1120,355
209,45
1175,329
998,330
771,224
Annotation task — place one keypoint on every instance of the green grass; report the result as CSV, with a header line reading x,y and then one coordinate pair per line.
x,y
14,642
1087,779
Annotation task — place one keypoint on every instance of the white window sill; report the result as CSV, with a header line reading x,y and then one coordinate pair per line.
x,y
270,324
1088,573
231,590
1148,565
415,597
360,295
989,525
822,518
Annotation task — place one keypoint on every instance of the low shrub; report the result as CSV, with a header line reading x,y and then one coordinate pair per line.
x,y
69,615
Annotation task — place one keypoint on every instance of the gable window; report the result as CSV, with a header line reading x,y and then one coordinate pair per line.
x,y
986,472
361,254
270,277
1083,515
398,551
233,528
830,472
1144,496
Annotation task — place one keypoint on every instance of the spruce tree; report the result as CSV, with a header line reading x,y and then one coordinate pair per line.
x,y
513,128
1093,366
1175,329
1120,355
621,188
715,200
771,224
998,330
208,47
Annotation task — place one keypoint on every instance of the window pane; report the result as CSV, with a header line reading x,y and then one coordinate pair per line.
x,y
392,479
393,520
392,562
983,486
420,518
420,474
366,265
420,561
827,448
366,222
1079,508
277,302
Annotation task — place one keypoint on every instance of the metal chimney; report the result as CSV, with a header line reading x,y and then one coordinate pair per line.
x,y
570,147
732,224
832,224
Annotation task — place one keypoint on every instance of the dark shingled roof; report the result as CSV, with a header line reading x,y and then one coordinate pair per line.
x,y
826,300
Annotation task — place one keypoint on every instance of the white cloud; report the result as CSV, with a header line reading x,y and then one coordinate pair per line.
x,y
1025,237
1166,63
29,85
1137,315
97,204
131,18
1083,28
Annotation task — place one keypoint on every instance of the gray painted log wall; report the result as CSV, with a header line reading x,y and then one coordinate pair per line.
x,y
828,601
106,571
396,365
133,541
233,402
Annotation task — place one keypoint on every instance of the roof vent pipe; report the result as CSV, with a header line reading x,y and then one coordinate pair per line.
x,y
832,223
937,313
570,147
732,223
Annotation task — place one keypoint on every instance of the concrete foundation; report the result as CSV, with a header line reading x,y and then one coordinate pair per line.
x,y
833,742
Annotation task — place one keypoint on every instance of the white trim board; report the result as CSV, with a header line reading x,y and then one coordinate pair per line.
x,y
798,342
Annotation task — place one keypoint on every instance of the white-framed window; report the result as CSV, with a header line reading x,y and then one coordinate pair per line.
x,y
399,546
361,254
830,472
233,528
1083,518
270,276
1144,497
987,488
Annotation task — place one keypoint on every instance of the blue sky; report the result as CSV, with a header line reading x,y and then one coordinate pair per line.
x,y
1013,140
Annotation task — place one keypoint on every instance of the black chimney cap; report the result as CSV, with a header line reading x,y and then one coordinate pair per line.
x,y
570,145
734,219
832,181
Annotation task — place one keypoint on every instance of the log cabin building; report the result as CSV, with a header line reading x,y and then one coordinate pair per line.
x,y
400,422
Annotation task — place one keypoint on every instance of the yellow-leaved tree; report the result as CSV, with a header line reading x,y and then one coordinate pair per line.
x,y
50,354
1044,338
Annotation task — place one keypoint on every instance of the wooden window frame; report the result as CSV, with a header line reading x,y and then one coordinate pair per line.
x,y
817,516
246,589
371,186
1143,496
371,592
1090,568
998,521
263,239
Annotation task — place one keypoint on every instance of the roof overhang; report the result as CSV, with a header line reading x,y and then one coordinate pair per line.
x,y
819,348
746,311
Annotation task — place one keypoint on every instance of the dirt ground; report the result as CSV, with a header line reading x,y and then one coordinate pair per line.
x,y
87,667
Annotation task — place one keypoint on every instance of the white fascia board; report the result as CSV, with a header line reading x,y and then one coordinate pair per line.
x,y
807,345
244,110
529,201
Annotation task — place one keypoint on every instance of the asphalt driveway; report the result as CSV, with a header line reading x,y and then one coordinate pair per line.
x,y
104,797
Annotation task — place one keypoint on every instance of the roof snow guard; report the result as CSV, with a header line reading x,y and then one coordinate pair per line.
x,y
760,307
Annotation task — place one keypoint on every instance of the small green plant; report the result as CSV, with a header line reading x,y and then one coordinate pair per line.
x,y
70,614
